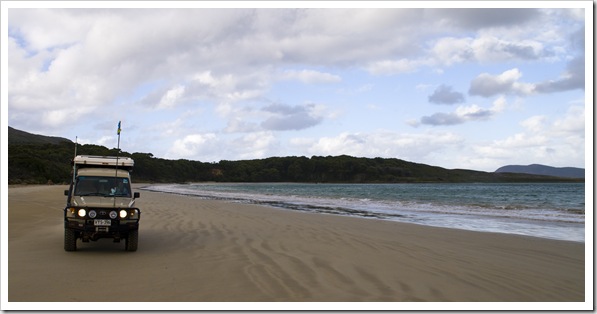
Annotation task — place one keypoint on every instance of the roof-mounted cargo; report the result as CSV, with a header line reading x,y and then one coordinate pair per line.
x,y
104,161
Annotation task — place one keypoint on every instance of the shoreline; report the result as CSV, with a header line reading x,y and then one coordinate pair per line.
x,y
197,250
546,229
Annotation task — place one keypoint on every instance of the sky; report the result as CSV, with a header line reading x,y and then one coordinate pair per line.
x,y
457,87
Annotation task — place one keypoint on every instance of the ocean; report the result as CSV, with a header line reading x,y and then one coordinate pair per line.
x,y
546,210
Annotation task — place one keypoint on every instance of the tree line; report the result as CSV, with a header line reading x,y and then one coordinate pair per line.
x,y
42,163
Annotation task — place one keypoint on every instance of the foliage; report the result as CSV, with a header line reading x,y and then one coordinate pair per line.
x,y
41,162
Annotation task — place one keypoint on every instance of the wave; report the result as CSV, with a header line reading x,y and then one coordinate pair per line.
x,y
369,207
565,224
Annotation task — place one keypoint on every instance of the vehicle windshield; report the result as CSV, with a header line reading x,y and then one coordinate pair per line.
x,y
102,186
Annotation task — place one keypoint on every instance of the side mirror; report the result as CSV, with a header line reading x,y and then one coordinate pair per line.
x,y
136,195
65,192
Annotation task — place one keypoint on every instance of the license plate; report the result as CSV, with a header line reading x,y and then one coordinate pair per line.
x,y
102,222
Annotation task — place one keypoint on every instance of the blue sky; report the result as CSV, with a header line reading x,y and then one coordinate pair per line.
x,y
452,87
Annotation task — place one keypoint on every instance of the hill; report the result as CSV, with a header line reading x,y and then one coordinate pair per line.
x,y
39,159
564,172
21,137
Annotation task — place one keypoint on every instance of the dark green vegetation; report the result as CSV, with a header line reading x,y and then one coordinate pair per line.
x,y
37,159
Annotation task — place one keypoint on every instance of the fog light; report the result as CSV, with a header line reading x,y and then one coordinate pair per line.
x,y
82,212
92,214
70,212
113,214
123,213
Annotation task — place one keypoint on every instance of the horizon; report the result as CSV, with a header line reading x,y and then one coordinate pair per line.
x,y
310,157
446,86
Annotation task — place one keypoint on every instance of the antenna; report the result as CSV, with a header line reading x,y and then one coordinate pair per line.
x,y
74,164
117,149
117,152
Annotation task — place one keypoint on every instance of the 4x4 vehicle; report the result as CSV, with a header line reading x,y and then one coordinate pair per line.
x,y
100,203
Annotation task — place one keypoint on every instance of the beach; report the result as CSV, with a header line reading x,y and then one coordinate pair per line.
x,y
198,250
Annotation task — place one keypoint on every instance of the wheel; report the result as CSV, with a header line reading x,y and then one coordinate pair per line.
x,y
70,240
131,241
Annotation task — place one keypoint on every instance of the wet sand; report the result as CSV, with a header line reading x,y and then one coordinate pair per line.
x,y
196,250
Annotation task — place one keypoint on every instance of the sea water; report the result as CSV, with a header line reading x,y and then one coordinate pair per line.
x,y
547,210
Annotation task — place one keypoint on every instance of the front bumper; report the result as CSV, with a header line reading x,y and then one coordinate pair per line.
x,y
87,228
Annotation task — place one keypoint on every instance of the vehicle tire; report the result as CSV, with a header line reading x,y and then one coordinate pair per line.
x,y
70,240
131,241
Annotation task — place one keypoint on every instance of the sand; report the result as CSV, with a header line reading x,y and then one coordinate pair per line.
x,y
196,250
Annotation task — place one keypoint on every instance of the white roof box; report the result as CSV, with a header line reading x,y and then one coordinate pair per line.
x,y
104,161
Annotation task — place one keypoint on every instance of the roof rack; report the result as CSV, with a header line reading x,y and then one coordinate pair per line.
x,y
126,163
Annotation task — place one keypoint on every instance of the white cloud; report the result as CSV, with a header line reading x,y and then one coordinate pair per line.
x,y
449,50
572,123
208,147
492,49
310,76
194,145
487,85
75,69
254,145
67,28
557,143
462,114
534,124
381,144
227,89
284,117
387,67
241,124
171,97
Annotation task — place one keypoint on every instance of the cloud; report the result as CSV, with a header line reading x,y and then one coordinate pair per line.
x,y
170,98
228,87
475,19
387,67
556,142
380,143
487,85
74,68
573,78
254,145
235,53
462,114
444,95
572,123
211,146
194,145
310,76
285,118
535,123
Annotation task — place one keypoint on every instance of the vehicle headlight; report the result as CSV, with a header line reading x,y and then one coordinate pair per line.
x,y
92,214
123,213
113,214
82,212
